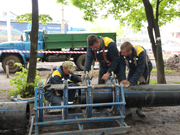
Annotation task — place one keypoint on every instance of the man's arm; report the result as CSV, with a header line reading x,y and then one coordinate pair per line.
x,y
75,78
55,80
89,59
140,68
122,67
113,54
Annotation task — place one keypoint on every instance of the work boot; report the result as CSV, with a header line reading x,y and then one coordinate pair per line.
x,y
128,112
140,113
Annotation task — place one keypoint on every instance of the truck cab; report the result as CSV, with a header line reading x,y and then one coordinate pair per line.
x,y
27,43
19,51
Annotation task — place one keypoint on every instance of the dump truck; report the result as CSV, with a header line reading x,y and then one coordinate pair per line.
x,y
50,49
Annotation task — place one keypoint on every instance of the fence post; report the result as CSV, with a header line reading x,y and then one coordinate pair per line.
x,y
26,65
51,68
7,71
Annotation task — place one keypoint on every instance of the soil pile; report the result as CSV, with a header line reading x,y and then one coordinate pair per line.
x,y
173,62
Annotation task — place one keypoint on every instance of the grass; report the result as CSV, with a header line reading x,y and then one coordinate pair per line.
x,y
154,71
177,82
166,71
155,82
3,90
2,93
169,83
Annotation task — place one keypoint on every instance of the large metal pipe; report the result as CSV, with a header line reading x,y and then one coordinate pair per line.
x,y
139,95
14,115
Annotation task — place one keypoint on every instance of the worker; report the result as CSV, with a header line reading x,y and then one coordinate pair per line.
x,y
104,49
139,64
64,72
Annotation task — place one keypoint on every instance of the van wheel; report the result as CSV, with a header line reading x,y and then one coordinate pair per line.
x,y
80,62
10,60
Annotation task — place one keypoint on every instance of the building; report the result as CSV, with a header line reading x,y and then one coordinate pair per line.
x,y
17,28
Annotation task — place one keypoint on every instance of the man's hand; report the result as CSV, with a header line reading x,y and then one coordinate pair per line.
x,y
125,83
82,77
79,83
105,76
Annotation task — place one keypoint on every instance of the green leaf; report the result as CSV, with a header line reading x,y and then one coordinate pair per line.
x,y
20,82
43,18
131,12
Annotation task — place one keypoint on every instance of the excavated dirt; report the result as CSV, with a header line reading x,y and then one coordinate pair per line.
x,y
158,120
173,62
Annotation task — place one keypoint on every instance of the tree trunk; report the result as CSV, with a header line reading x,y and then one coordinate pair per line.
x,y
34,44
155,39
160,62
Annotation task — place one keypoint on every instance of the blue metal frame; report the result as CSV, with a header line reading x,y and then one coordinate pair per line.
x,y
65,101
88,116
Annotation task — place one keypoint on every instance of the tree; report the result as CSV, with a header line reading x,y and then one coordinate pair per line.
x,y
34,18
134,13
119,31
34,43
43,18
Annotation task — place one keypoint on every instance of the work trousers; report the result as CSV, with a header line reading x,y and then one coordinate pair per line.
x,y
56,100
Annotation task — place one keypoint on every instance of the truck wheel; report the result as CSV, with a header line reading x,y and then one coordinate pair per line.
x,y
10,60
81,61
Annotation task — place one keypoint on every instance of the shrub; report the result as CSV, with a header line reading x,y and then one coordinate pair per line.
x,y
20,82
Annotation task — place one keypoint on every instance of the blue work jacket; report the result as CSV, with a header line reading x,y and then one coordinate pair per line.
x,y
58,77
135,71
111,53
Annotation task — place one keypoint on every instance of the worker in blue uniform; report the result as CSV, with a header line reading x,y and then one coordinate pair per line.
x,y
139,64
64,72
105,51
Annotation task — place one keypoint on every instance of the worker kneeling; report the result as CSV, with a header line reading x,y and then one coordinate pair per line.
x,y
64,72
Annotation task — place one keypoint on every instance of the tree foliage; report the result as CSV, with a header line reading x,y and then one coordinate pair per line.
x,y
130,12
43,18
97,27
119,31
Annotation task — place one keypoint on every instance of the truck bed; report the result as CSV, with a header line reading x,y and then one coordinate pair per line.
x,y
58,41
